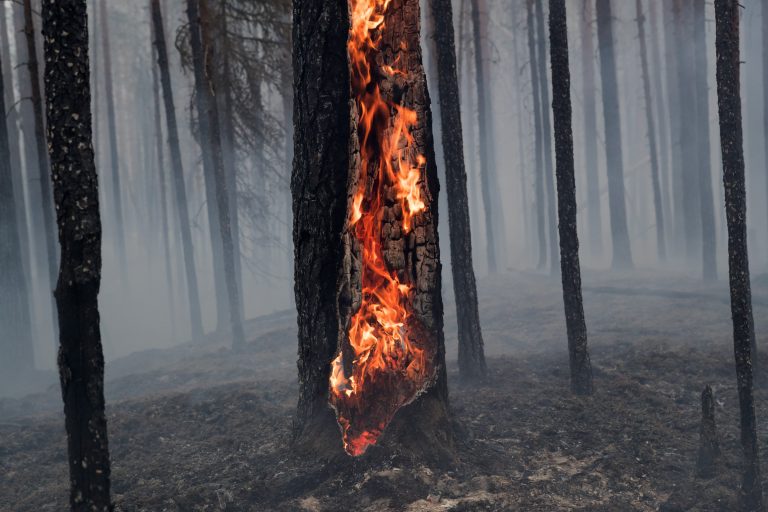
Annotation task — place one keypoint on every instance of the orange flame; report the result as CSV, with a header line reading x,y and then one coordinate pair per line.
x,y
382,346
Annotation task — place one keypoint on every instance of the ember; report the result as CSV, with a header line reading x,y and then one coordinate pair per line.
x,y
388,361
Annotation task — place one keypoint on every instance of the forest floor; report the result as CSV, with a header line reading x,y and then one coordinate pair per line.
x,y
202,428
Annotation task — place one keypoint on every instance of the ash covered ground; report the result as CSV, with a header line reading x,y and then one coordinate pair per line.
x,y
201,428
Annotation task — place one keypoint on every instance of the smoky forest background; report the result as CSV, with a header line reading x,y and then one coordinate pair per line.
x,y
196,213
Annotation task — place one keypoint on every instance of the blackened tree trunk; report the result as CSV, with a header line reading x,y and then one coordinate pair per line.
x,y
81,362
622,255
581,368
594,202
210,137
731,141
546,135
541,215
177,170
485,149
15,317
652,149
46,199
114,157
328,278
471,353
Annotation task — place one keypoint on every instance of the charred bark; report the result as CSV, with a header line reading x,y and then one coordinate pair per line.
x,y
709,447
546,134
652,149
731,141
210,137
327,255
594,201
16,354
114,157
541,216
581,368
177,171
471,352
622,255
81,362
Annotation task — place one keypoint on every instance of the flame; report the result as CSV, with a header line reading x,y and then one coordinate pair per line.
x,y
386,354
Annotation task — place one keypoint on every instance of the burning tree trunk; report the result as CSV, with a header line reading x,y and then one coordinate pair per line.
x,y
81,363
471,353
365,231
541,218
731,141
15,317
114,157
177,170
622,255
594,207
546,134
210,138
581,369
655,180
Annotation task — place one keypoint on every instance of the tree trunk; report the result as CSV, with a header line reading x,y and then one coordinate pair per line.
x,y
581,369
81,362
731,141
546,126
471,353
541,216
16,355
485,149
649,121
622,255
177,170
114,158
210,137
594,201
46,199
336,191
675,93
765,93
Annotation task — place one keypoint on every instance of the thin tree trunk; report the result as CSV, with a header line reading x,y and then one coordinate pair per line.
x,y
541,216
210,137
594,201
652,149
622,255
675,93
546,127
114,158
16,355
765,94
731,141
81,362
482,121
177,170
706,198
46,199
471,353
581,368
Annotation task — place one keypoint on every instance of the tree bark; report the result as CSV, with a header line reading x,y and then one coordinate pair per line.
x,y
114,157
675,93
541,216
46,199
16,355
709,448
622,255
177,170
485,150
731,141
546,127
581,368
81,362
471,352
328,265
594,201
652,148
210,137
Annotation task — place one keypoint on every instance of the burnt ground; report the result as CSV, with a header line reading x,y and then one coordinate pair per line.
x,y
202,428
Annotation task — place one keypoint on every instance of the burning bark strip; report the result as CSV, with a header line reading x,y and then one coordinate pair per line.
x,y
388,351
